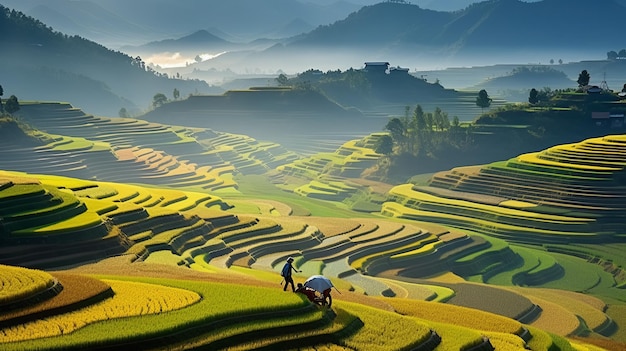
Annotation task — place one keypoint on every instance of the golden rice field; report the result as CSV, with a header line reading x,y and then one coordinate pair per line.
x,y
200,257
457,315
130,299
384,330
18,283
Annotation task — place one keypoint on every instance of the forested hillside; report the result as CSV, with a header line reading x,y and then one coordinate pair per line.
x,y
40,63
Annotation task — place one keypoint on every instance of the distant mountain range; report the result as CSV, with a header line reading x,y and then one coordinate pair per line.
x,y
198,42
495,27
45,64
488,32
116,23
38,63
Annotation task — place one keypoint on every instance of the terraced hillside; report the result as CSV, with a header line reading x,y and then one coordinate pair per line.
x,y
568,193
567,201
109,312
73,143
70,221
155,228
336,176
392,275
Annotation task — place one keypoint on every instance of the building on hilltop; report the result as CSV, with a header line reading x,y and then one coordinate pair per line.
x,y
376,67
384,67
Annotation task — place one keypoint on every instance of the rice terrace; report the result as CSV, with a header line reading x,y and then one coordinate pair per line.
x,y
180,226
180,243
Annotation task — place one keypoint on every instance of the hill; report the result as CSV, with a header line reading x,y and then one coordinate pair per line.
x,y
489,32
200,41
296,118
198,252
505,22
515,85
116,23
47,65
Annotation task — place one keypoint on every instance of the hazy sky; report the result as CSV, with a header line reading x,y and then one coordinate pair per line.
x,y
442,5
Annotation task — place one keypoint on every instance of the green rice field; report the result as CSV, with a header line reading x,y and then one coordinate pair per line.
x,y
122,233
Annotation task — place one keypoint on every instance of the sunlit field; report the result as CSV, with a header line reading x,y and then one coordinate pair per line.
x,y
189,257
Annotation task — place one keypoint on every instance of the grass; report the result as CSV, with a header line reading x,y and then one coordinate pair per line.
x,y
506,342
20,190
19,283
457,315
383,330
259,187
84,220
555,318
218,301
130,299
540,340
579,274
76,290
594,317
454,338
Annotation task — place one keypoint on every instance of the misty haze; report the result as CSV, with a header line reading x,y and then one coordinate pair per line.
x,y
312,175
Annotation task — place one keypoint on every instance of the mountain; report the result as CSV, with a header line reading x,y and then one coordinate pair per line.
x,y
491,30
198,42
449,5
516,84
87,19
41,64
541,25
120,22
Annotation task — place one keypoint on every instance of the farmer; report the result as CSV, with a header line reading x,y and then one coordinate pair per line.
x,y
310,293
286,273
326,298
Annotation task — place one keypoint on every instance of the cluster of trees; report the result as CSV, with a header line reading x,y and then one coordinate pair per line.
x,y
420,134
160,99
533,97
536,96
615,55
11,105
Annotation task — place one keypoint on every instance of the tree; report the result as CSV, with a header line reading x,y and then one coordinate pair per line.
x,y
583,78
419,119
533,97
622,53
12,105
442,122
176,94
456,122
611,55
1,93
158,100
282,80
123,113
483,100
384,145
396,128
419,131
551,61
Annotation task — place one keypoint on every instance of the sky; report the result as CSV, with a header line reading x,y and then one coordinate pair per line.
x,y
441,5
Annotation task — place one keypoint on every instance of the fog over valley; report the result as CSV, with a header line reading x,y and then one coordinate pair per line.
x,y
432,175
